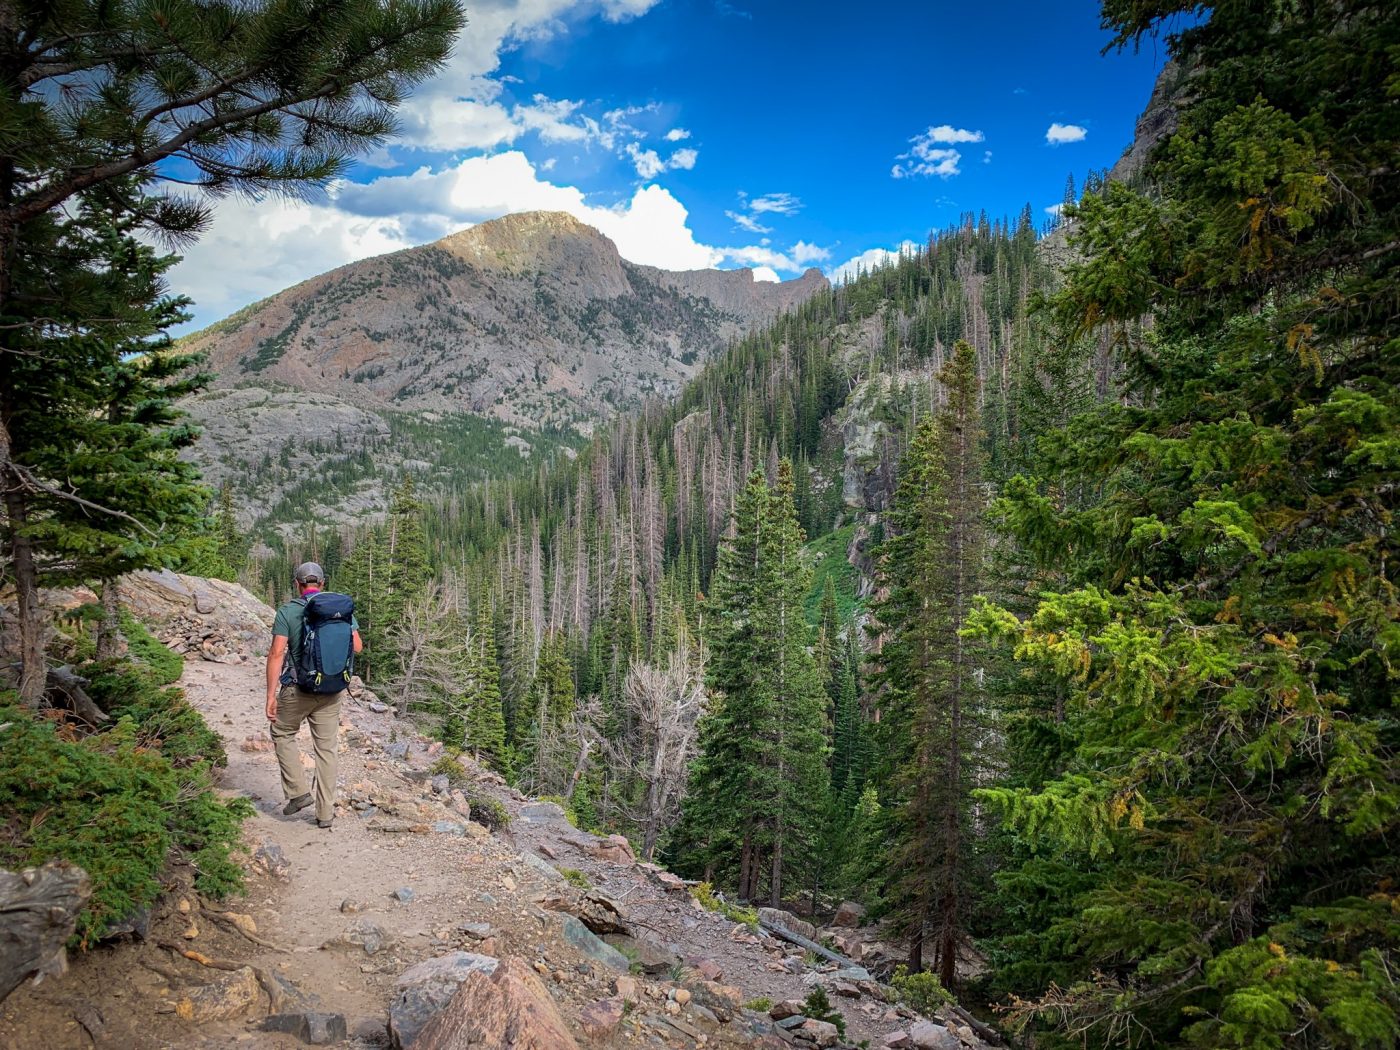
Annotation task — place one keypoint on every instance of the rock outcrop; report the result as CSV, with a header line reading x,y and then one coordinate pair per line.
x,y
197,616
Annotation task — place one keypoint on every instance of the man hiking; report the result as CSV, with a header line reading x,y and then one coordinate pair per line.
x,y
314,639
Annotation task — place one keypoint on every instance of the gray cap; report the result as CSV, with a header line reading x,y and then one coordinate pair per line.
x,y
309,570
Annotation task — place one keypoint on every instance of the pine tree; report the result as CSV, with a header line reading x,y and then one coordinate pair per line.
x,y
1225,631
485,728
930,570
113,96
760,781
88,421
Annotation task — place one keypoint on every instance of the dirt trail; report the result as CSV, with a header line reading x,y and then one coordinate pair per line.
x,y
397,830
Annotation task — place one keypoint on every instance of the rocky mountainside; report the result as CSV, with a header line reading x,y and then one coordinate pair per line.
x,y
532,319
530,323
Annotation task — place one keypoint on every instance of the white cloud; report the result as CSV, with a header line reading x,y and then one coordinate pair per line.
x,y
1062,133
747,222
649,163
804,254
550,118
460,108
677,135
867,261
764,273
931,153
940,162
767,204
777,203
758,256
986,156
1054,210
948,134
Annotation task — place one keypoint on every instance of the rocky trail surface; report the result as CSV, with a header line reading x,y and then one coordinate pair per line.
x,y
412,923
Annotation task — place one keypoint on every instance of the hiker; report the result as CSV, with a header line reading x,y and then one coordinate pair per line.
x,y
314,640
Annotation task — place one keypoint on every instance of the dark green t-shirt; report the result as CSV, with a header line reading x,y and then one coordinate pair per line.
x,y
288,625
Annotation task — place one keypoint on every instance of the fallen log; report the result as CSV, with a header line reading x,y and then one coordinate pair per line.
x,y
38,910
985,1032
783,933
65,688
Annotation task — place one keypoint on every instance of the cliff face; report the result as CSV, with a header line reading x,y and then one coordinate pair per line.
x,y
532,319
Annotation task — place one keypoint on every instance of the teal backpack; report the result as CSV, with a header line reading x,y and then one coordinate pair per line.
x,y
326,660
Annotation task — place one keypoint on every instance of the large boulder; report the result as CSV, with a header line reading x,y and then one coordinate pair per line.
x,y
787,920
506,1010
586,941
926,1035
228,996
422,990
849,915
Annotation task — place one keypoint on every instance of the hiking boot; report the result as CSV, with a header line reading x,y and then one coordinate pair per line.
x,y
297,804
323,823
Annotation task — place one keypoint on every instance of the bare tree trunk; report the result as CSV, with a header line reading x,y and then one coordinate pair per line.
x,y
109,629
775,889
745,867
580,765
31,627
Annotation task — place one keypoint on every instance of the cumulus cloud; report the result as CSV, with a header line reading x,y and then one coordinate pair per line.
x,y
931,153
986,156
867,261
280,243
677,135
649,163
1059,134
948,134
764,273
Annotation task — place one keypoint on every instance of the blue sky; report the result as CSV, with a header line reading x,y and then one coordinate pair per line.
x,y
776,135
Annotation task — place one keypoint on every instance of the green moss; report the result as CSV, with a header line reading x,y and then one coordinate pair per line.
x,y
579,880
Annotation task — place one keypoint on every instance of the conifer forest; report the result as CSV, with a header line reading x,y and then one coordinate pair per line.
x,y
1032,589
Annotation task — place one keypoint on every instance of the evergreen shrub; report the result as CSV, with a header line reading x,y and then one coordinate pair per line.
x,y
118,801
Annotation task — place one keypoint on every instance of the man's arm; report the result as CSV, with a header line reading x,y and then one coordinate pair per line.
x,y
359,644
275,658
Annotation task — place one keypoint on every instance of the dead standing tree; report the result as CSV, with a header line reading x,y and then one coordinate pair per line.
x,y
664,705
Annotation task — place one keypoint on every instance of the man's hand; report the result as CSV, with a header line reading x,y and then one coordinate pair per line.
x,y
275,655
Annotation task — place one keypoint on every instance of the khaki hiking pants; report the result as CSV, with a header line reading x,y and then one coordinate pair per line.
x,y
322,713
